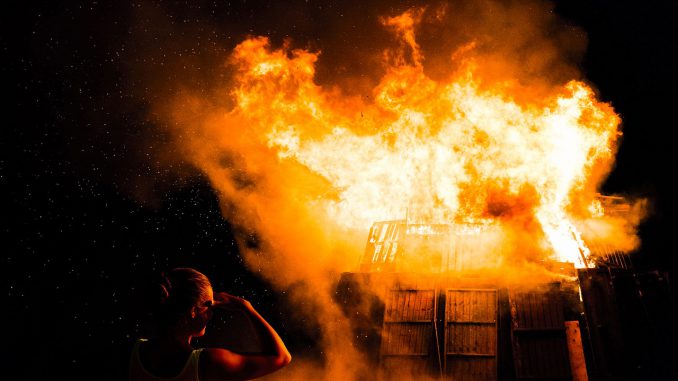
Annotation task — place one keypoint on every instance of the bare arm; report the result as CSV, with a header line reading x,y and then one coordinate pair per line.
x,y
222,364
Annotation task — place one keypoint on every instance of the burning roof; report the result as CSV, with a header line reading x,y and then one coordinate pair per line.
x,y
400,245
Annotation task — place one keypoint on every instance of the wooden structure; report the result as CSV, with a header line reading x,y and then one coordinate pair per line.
x,y
445,328
632,324
407,336
538,335
395,246
471,334
435,324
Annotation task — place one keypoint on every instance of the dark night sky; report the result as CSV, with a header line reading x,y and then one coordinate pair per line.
x,y
88,212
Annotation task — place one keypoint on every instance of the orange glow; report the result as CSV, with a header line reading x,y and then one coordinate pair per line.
x,y
483,146
442,152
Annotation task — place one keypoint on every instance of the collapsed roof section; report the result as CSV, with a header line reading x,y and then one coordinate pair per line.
x,y
403,246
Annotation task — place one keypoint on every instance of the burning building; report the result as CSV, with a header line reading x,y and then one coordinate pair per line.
x,y
426,303
448,318
477,175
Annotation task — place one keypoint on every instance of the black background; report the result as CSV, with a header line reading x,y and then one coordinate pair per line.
x,y
88,213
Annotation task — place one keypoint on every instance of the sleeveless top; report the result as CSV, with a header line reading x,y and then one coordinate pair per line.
x,y
137,372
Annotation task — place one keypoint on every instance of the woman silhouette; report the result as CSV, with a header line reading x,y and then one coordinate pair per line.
x,y
185,306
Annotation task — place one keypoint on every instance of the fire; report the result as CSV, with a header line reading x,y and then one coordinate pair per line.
x,y
434,151
481,160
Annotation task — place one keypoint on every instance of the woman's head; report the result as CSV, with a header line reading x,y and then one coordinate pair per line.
x,y
185,297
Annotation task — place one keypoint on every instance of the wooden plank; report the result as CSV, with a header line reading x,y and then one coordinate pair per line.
x,y
538,334
471,334
576,351
407,333
472,338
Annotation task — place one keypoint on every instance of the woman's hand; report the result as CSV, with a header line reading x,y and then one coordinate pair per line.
x,y
229,302
222,364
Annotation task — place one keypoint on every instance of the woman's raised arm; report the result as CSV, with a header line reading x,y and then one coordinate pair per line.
x,y
222,364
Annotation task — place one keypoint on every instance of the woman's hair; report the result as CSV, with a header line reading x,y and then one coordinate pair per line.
x,y
178,290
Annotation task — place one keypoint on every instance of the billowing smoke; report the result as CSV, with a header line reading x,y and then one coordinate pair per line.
x,y
462,112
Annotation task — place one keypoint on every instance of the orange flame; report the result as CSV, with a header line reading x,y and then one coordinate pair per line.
x,y
510,167
441,151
